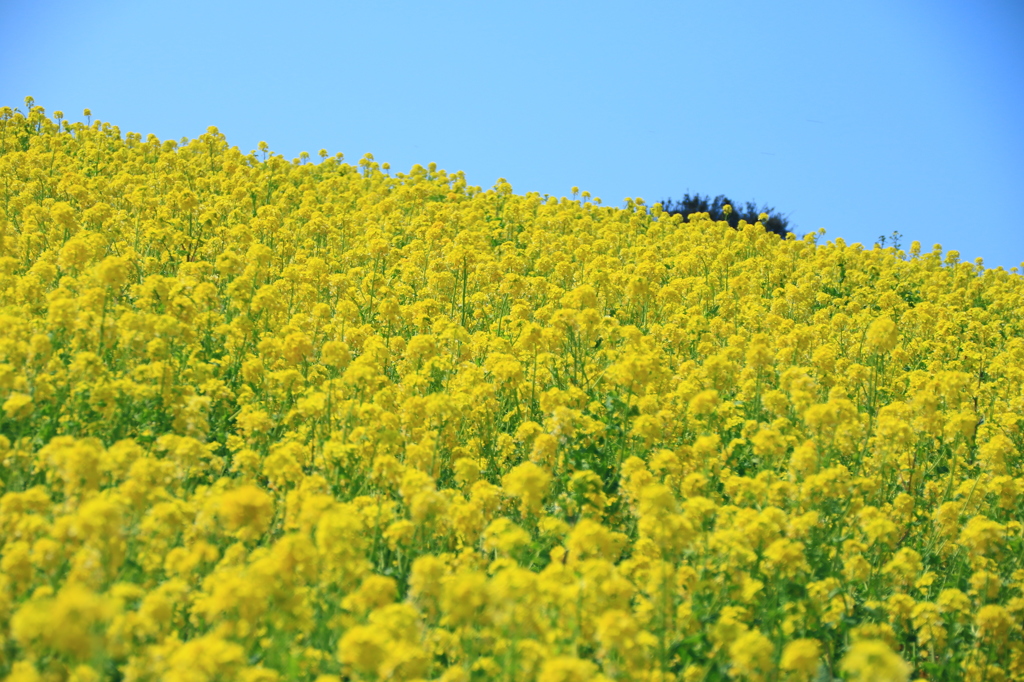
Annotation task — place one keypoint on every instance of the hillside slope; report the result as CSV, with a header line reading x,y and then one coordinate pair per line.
x,y
274,420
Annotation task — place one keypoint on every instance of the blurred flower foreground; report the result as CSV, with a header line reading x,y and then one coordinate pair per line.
x,y
289,420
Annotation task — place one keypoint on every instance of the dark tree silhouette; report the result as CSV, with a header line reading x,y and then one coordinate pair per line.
x,y
776,223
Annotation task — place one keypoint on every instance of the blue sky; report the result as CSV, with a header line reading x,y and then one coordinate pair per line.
x,y
861,118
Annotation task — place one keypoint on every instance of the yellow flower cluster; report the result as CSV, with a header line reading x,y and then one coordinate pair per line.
x,y
268,420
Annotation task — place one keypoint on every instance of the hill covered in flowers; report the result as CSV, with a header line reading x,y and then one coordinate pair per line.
x,y
269,420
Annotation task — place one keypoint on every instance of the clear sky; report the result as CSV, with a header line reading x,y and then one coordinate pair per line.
x,y
860,117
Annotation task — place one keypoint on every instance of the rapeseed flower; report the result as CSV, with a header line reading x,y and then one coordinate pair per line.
x,y
270,420
872,659
801,658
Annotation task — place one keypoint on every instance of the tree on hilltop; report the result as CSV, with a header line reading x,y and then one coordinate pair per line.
x,y
776,222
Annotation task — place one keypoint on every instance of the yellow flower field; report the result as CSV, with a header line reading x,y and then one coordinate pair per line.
x,y
303,420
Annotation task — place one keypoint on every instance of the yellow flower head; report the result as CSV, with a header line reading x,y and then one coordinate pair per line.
x,y
982,535
872,659
18,406
567,669
882,335
247,511
529,483
801,658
